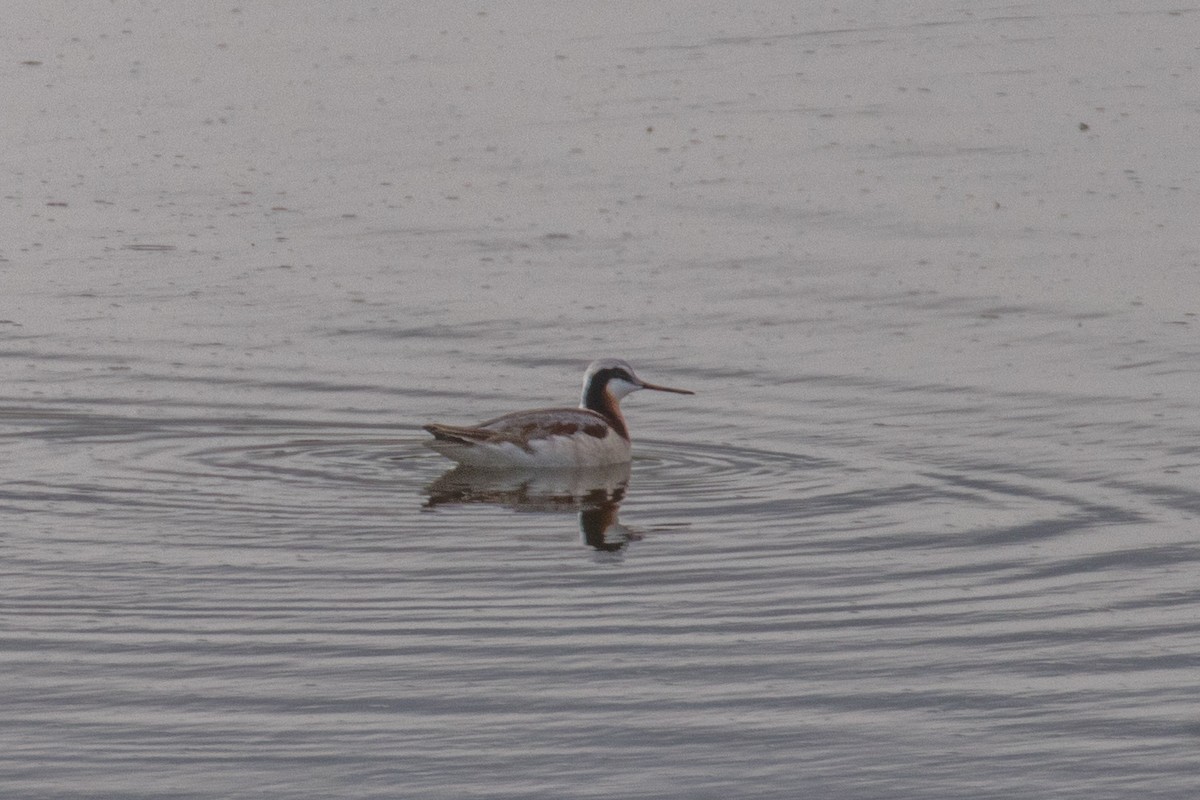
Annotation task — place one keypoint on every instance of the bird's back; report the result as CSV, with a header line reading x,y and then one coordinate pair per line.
x,y
544,437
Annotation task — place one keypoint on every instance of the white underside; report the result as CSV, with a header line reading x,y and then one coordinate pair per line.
x,y
579,450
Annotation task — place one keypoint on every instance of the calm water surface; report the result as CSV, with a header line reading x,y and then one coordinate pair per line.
x,y
928,529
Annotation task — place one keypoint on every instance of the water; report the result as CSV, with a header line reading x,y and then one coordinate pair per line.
x,y
928,528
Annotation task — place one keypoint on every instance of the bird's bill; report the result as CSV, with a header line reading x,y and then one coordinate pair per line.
x,y
658,388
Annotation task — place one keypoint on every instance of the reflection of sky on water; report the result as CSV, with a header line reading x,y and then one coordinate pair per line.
x,y
930,267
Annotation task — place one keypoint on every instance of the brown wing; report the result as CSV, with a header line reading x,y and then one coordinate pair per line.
x,y
522,427
453,433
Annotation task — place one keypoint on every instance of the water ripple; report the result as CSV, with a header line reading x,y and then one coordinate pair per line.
x,y
225,581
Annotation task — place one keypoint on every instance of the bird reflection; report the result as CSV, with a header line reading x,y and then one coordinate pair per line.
x,y
594,493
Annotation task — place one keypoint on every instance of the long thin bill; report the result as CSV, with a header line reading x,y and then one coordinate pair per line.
x,y
658,388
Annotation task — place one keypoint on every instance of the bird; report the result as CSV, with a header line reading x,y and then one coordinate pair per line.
x,y
592,435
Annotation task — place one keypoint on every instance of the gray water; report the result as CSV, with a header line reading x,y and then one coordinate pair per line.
x,y
927,529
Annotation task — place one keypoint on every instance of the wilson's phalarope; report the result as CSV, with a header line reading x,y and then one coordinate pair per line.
x,y
592,435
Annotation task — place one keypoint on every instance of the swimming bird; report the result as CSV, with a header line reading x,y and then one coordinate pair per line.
x,y
595,434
